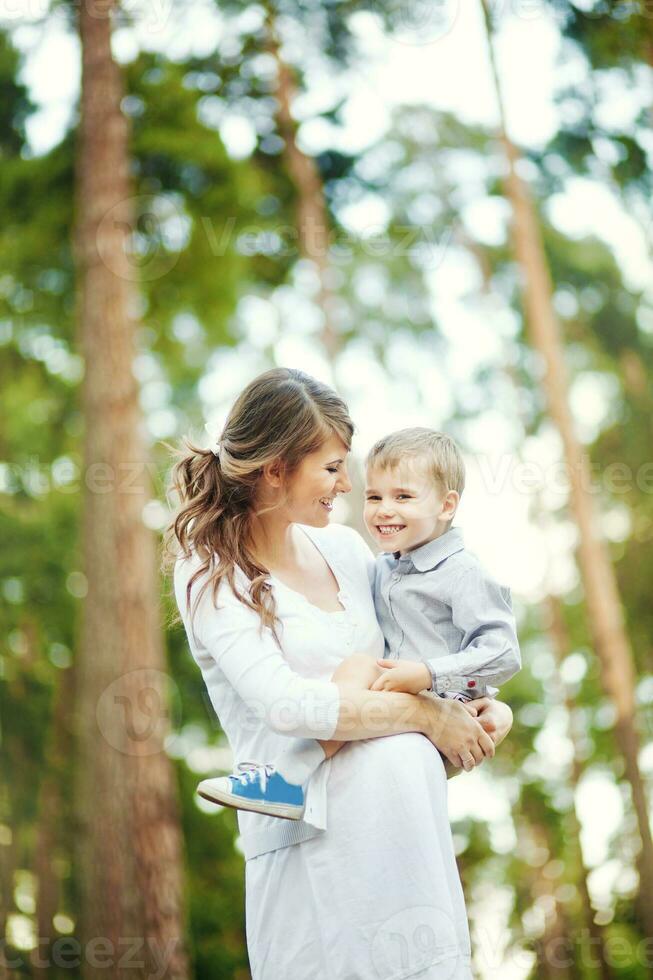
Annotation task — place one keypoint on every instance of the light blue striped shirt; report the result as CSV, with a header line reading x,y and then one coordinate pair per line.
x,y
437,604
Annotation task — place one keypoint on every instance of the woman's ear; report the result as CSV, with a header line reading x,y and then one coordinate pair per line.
x,y
273,473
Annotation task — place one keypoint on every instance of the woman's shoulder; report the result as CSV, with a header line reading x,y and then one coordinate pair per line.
x,y
194,567
198,597
345,546
186,566
337,535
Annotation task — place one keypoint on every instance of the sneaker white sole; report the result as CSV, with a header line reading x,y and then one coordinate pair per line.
x,y
271,809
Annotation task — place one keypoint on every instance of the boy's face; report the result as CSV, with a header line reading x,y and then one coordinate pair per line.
x,y
404,507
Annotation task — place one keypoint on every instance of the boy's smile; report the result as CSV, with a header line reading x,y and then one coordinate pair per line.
x,y
388,529
405,508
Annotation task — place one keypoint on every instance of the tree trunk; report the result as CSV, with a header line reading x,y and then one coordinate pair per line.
x,y
51,812
554,947
313,229
7,857
604,611
562,647
130,844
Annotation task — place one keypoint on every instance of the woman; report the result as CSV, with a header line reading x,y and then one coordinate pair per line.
x,y
274,600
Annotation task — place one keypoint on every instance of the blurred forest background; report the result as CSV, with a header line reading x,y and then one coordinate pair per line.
x,y
215,203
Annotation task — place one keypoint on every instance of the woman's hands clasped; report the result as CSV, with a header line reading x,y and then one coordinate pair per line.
x,y
458,734
464,733
494,716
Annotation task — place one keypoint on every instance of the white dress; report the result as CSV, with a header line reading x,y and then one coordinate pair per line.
x,y
378,895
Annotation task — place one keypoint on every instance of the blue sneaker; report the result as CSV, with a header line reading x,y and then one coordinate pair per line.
x,y
258,787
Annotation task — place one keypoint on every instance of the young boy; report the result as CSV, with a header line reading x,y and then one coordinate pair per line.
x,y
448,627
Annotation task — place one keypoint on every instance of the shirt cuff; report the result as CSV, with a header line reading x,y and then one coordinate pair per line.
x,y
444,683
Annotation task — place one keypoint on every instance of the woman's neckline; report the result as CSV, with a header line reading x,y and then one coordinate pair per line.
x,y
341,594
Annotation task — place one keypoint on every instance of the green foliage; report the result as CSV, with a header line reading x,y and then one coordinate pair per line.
x,y
194,208
613,33
15,104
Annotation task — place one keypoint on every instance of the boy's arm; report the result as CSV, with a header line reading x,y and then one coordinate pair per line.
x,y
489,649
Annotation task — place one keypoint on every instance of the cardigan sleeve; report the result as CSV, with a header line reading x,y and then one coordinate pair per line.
x,y
254,665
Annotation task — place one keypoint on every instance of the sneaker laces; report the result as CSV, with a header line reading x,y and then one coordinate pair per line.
x,y
250,771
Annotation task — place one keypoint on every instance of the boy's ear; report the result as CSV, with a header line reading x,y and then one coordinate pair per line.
x,y
450,505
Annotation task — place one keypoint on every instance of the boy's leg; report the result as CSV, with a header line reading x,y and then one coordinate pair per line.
x,y
277,786
300,759
295,764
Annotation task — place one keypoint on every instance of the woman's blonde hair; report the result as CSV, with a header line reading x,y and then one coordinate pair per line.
x,y
283,415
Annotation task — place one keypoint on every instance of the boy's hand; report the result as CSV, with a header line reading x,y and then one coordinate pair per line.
x,y
402,675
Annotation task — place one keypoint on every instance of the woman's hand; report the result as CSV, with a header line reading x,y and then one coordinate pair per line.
x,y
495,717
457,734
402,675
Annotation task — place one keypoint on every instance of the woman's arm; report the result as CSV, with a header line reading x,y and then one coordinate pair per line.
x,y
358,672
250,659
371,714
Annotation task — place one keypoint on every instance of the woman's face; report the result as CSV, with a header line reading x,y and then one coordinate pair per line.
x,y
313,487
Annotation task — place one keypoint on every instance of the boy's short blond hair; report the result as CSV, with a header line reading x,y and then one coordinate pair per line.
x,y
439,451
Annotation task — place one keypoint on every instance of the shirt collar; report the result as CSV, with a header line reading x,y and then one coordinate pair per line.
x,y
429,555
